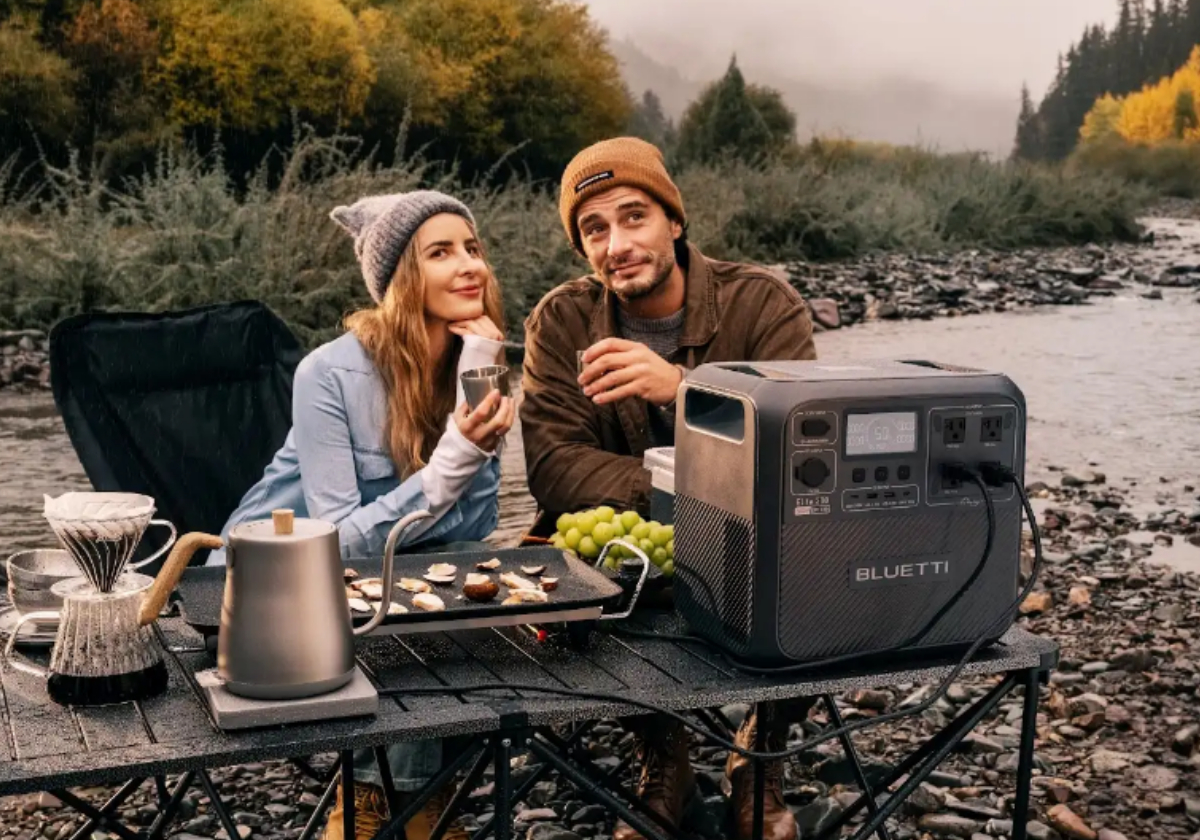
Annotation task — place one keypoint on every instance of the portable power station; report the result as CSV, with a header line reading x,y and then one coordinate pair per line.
x,y
813,518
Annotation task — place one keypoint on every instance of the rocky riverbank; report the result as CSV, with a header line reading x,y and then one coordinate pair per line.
x,y
1118,747
24,359
887,286
897,286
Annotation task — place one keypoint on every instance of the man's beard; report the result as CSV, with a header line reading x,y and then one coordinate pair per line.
x,y
662,265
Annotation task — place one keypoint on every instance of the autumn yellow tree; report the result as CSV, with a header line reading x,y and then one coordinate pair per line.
x,y
248,63
36,85
1100,123
482,77
1163,112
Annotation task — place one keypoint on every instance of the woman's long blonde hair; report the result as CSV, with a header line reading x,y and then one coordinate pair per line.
x,y
420,392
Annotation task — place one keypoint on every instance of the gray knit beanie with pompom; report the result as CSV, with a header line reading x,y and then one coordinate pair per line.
x,y
383,225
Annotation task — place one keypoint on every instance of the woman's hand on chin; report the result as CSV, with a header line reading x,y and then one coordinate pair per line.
x,y
489,423
481,326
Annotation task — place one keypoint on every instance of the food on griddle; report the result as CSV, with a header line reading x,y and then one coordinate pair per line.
x,y
441,573
351,592
516,581
349,575
429,603
490,565
587,532
371,590
480,588
533,570
396,609
359,605
414,585
525,596
549,584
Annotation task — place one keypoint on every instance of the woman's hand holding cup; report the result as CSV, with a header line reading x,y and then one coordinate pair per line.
x,y
489,422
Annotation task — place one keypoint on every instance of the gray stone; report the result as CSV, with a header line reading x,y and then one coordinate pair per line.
x,y
544,831
1040,831
949,825
817,816
1156,777
589,814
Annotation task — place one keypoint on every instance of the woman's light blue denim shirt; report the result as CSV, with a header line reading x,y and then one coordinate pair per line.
x,y
335,466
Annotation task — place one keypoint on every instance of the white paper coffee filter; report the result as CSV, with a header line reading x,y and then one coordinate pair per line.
x,y
98,507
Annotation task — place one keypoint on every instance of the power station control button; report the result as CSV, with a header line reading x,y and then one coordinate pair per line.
x,y
814,427
813,472
859,475
903,472
881,473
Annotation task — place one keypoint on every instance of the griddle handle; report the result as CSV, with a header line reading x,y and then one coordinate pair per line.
x,y
637,590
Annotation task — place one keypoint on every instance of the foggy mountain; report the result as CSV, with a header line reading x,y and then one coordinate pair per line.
x,y
892,109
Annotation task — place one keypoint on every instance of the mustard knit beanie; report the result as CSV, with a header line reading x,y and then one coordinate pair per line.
x,y
619,162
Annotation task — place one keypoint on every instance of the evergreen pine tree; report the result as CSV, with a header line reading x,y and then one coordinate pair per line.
x,y
1028,142
733,119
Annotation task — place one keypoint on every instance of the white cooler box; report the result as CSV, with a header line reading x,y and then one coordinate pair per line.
x,y
661,463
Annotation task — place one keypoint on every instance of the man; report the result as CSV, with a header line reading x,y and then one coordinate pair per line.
x,y
654,308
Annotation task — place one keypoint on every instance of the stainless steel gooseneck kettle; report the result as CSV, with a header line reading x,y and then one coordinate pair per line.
x,y
285,623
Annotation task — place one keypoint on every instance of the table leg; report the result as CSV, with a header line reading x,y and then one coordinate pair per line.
x,y
348,815
385,775
835,717
318,814
647,828
101,817
962,725
464,790
759,766
217,805
1020,809
503,788
167,812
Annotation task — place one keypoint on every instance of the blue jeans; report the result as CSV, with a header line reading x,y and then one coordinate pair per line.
x,y
412,763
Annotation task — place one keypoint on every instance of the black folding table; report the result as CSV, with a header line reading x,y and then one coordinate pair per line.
x,y
50,748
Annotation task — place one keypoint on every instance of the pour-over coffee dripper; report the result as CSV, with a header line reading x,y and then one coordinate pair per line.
x,y
102,530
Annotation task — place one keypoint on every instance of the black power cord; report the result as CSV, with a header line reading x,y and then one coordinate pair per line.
x,y
999,475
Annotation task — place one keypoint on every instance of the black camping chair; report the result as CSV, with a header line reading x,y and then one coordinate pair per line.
x,y
187,407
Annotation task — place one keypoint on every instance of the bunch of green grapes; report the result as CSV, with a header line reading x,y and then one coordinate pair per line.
x,y
588,531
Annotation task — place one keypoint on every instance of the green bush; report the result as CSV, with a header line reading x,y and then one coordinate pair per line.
x,y
182,235
1171,169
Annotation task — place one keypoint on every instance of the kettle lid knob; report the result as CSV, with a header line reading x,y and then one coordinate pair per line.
x,y
284,521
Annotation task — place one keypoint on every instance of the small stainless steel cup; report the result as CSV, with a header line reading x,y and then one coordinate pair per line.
x,y
32,573
478,383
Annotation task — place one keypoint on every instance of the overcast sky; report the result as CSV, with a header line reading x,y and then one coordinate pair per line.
x,y
986,45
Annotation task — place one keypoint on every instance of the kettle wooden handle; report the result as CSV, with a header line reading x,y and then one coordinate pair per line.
x,y
168,576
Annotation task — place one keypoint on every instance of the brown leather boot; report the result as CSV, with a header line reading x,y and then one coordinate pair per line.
x,y
371,815
778,822
667,786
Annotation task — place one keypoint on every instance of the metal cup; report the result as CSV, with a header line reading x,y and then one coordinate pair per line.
x,y
480,382
31,574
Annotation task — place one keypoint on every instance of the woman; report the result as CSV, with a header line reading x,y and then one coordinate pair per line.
x,y
381,428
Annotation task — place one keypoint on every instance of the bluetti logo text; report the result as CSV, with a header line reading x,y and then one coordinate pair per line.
x,y
885,574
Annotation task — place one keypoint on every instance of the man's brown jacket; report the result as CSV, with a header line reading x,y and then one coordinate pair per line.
x,y
580,455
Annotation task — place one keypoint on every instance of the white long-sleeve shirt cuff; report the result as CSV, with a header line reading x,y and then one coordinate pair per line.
x,y
477,352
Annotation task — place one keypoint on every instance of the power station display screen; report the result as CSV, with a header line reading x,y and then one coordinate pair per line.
x,y
887,433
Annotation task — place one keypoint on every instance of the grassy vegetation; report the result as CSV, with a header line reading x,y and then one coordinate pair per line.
x,y
181,235
1171,169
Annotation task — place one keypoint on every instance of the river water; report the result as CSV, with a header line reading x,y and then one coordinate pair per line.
x,y
1114,385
